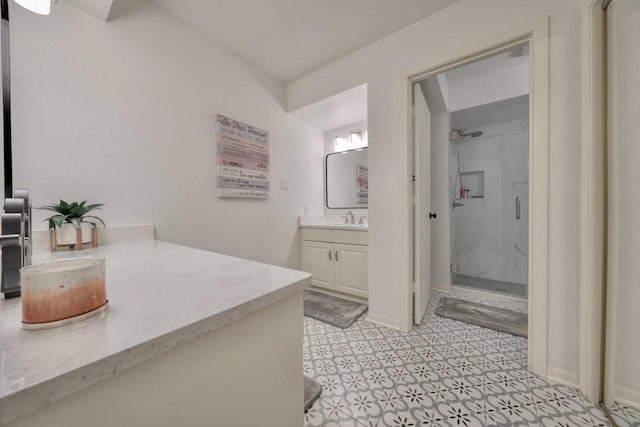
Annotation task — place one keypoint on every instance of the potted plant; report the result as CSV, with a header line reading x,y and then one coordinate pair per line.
x,y
72,225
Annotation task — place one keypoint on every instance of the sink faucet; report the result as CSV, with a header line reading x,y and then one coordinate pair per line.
x,y
351,219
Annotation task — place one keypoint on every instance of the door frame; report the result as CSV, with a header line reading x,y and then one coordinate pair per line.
x,y
593,201
536,34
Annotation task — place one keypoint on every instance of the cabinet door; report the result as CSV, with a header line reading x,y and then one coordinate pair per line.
x,y
317,259
351,269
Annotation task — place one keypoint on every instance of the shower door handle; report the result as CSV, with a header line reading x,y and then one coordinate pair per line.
x,y
518,207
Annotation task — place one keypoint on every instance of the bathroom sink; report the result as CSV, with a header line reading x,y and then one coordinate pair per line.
x,y
351,225
334,222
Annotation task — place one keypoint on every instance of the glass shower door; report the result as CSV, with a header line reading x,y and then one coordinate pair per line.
x,y
489,200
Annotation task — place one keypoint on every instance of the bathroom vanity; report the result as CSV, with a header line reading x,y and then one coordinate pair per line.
x,y
190,338
335,255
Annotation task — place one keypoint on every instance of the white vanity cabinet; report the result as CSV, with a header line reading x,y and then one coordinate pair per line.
x,y
336,259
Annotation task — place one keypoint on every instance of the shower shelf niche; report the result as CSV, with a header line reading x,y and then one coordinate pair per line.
x,y
473,184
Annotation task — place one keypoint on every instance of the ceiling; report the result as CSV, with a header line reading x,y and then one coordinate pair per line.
x,y
290,38
339,110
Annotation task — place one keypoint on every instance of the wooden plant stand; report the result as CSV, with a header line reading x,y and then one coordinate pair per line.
x,y
77,244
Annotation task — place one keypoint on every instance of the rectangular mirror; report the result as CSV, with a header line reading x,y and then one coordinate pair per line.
x,y
347,180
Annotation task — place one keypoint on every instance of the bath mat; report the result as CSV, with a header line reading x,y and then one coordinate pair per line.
x,y
312,391
332,310
498,319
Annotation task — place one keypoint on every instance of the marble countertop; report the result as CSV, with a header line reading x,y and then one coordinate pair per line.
x,y
160,295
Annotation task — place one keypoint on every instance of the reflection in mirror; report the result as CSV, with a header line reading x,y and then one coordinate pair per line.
x,y
347,180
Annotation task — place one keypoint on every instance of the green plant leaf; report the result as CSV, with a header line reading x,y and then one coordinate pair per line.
x,y
94,217
73,213
54,208
56,221
76,210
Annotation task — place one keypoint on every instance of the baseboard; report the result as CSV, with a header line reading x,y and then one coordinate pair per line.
x,y
339,295
440,288
563,377
383,321
626,396
485,295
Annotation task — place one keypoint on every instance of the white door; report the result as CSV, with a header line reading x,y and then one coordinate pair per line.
x,y
317,260
422,203
351,269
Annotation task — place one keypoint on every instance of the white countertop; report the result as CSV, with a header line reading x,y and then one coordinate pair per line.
x,y
160,296
334,222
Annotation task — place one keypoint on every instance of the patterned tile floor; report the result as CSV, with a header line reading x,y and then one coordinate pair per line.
x,y
625,415
443,372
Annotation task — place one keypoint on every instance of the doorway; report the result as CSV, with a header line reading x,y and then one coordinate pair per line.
x,y
471,129
430,215
489,190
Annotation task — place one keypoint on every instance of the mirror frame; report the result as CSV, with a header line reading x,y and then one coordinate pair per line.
x,y
326,187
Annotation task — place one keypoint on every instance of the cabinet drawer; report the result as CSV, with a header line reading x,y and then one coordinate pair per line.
x,y
353,237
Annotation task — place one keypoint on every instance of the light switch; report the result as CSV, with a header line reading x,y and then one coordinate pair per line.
x,y
284,184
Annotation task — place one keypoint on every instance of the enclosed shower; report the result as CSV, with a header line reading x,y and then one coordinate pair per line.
x,y
459,190
489,192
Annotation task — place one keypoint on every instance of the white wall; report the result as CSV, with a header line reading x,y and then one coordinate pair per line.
x,y
623,338
425,43
498,77
330,134
123,113
342,109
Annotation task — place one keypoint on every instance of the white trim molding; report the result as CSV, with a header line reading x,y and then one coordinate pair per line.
x,y
563,377
536,34
621,83
384,321
613,209
592,218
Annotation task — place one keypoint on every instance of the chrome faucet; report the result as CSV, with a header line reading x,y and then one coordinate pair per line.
x,y
350,218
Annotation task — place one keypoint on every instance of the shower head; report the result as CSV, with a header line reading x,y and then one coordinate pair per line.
x,y
460,133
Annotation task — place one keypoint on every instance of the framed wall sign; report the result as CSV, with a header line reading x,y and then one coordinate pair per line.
x,y
242,159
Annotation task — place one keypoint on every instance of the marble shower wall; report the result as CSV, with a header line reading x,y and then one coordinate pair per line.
x,y
487,239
